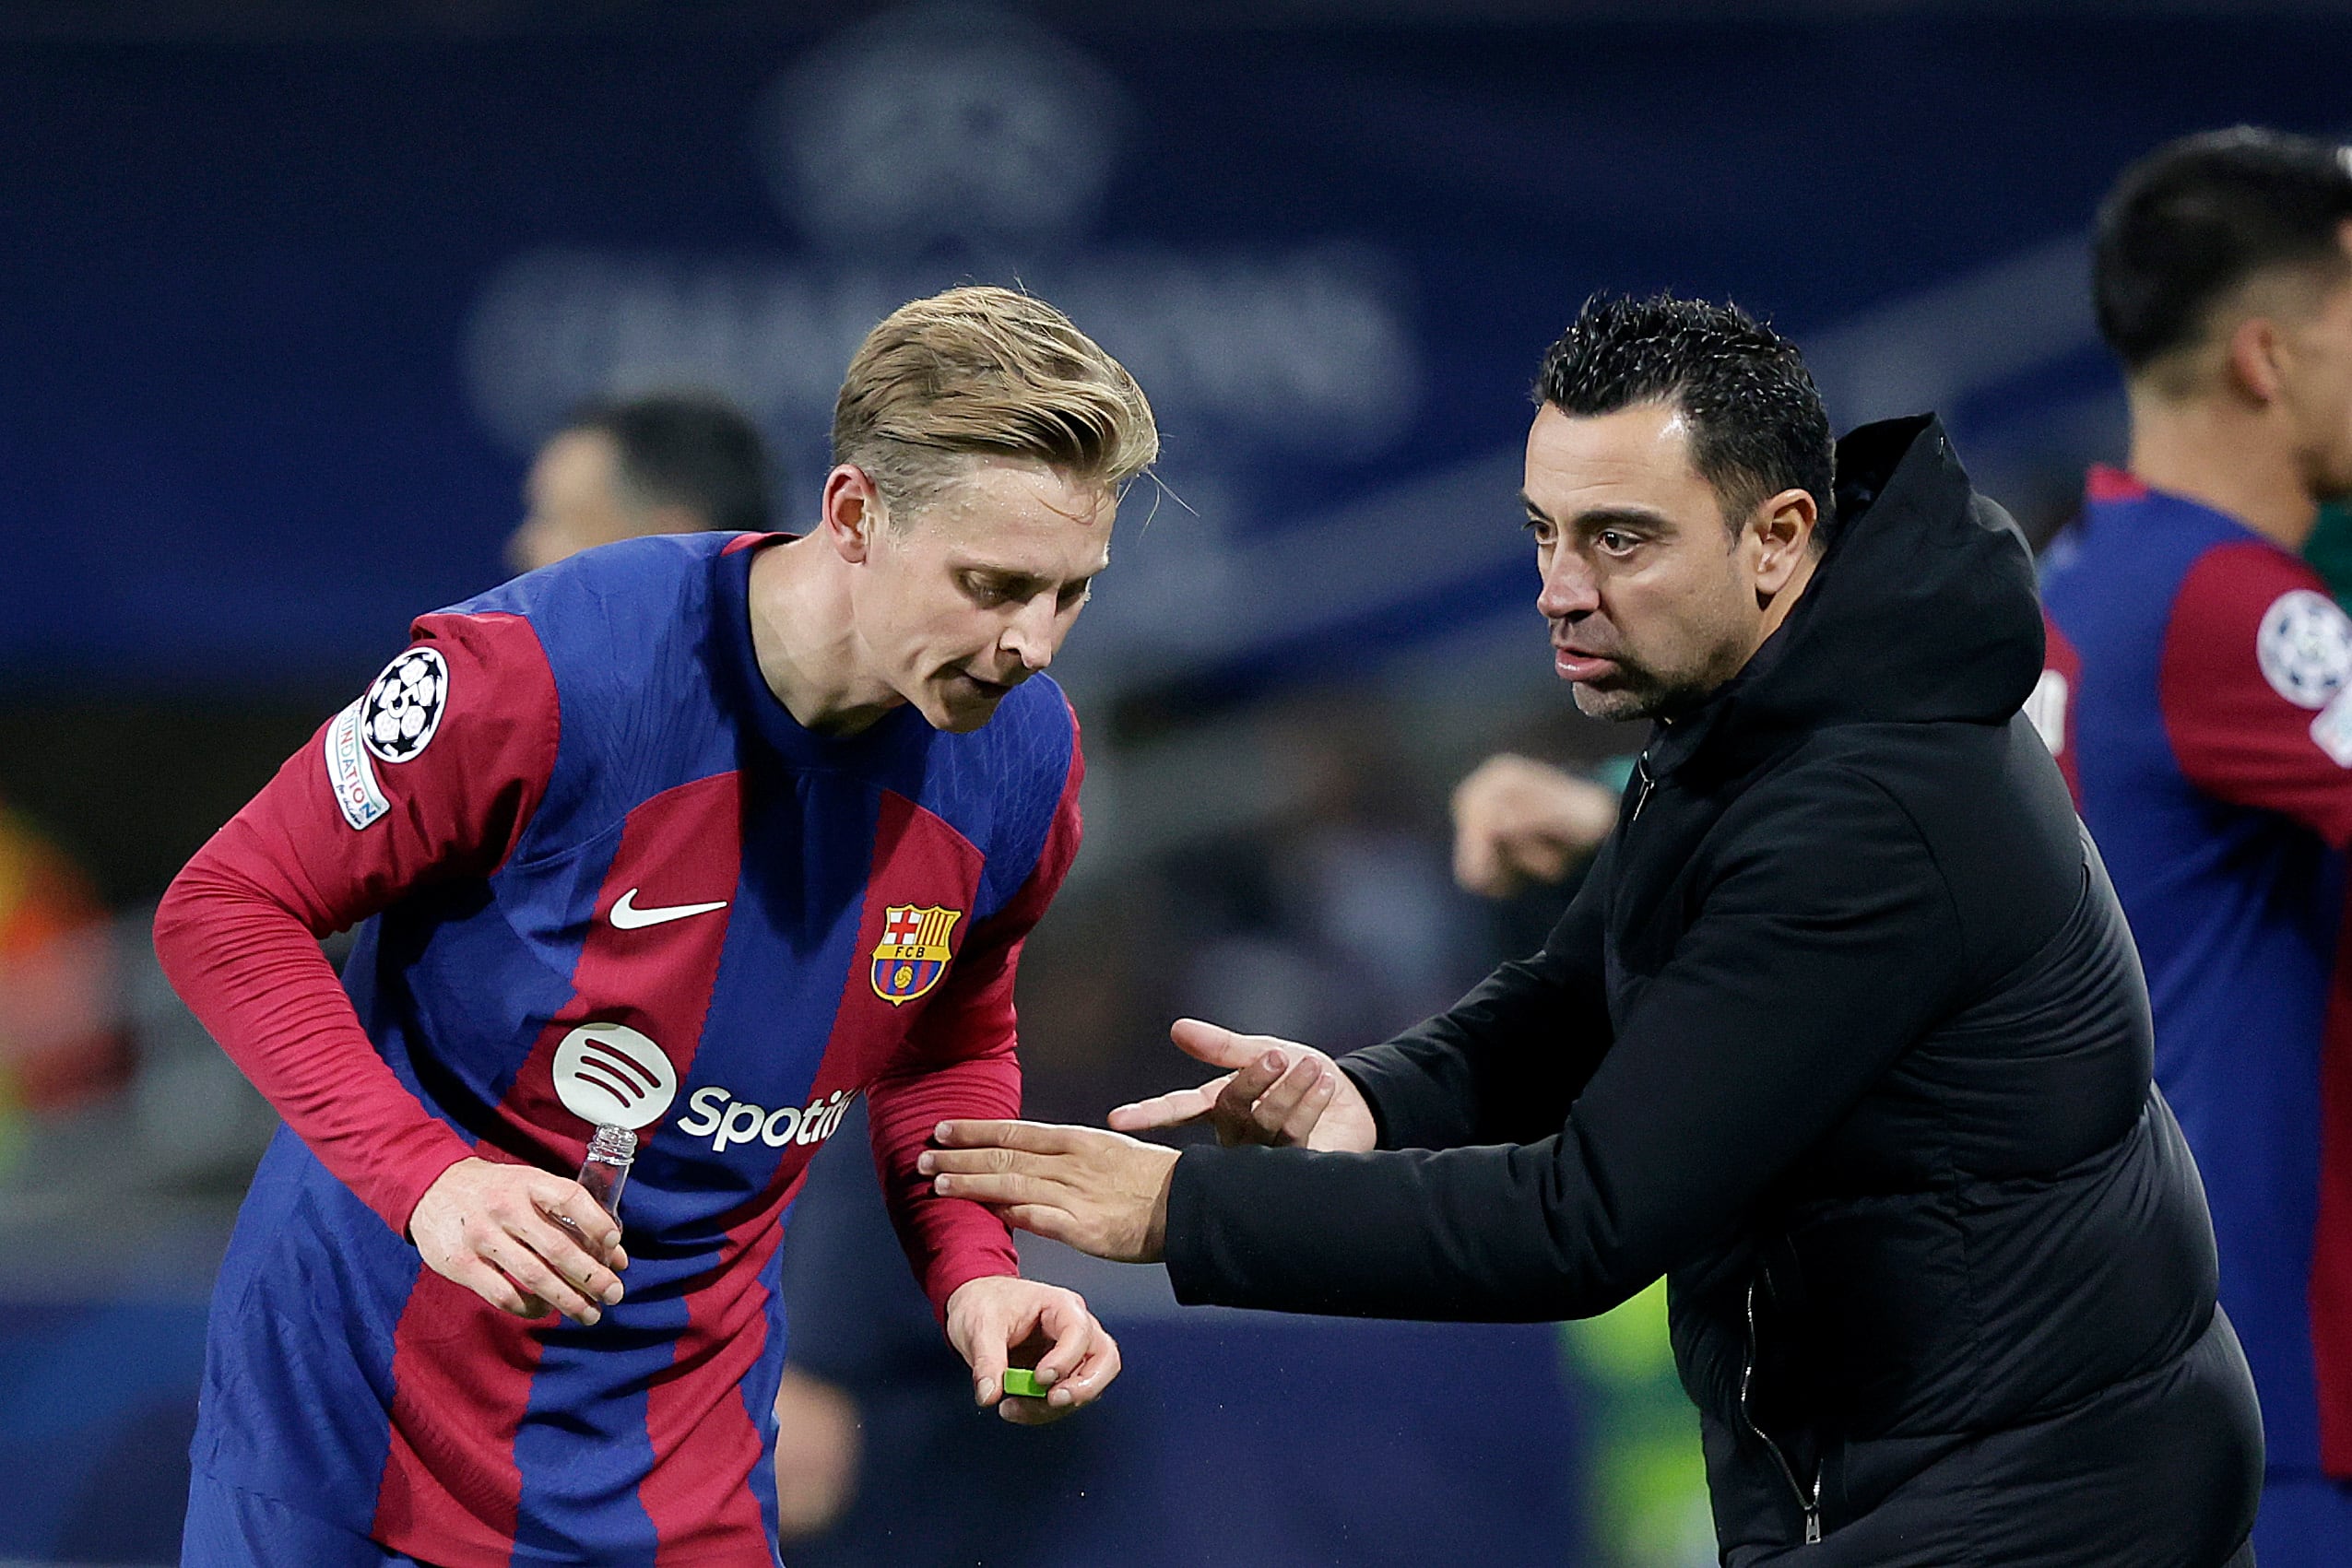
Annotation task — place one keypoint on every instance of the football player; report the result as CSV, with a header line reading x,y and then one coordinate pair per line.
x,y
699,834
2199,697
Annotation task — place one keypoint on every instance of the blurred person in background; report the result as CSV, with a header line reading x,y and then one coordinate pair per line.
x,y
1844,1033
60,1047
809,729
665,462
2199,694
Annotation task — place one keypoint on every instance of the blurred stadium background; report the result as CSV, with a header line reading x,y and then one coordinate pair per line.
x,y
293,287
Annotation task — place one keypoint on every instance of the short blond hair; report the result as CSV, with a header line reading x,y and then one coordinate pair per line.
x,y
984,371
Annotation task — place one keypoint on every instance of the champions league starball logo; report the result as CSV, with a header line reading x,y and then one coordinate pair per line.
x,y
402,709
2305,647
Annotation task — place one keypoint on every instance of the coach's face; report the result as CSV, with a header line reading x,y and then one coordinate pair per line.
x,y
1654,600
973,594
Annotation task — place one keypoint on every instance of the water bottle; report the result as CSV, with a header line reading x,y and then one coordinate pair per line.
x,y
606,1170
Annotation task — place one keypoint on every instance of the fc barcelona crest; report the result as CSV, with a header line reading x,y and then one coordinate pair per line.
x,y
914,953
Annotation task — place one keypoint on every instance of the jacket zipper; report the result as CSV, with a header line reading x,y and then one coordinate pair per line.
x,y
1810,1506
1641,776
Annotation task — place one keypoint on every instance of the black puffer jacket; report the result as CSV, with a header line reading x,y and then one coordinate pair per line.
x,y
1845,1034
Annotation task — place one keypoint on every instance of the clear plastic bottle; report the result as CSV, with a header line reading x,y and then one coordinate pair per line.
x,y
606,1171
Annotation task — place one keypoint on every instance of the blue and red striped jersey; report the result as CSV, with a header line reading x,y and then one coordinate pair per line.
x,y
594,857
2198,694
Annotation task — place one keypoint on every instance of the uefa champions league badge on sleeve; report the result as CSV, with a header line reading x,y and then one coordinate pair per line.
x,y
2305,647
913,951
402,709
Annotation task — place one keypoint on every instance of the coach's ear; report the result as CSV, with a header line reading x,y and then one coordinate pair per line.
x,y
853,512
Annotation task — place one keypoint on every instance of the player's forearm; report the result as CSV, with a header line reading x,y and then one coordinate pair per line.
x,y
251,971
948,1241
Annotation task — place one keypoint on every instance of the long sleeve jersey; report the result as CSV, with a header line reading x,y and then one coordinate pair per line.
x,y
600,875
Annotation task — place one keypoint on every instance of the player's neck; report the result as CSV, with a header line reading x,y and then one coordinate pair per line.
x,y
804,636
2232,459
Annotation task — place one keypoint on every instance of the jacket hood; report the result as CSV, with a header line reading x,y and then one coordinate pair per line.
x,y
1922,610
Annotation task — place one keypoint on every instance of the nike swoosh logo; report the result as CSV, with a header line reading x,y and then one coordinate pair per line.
x,y
629,917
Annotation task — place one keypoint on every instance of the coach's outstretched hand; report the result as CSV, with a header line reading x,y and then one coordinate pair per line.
x,y
495,1229
1277,1092
1097,1191
998,1321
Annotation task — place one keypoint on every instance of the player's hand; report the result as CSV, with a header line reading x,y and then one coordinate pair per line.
x,y
1097,1191
999,1321
1277,1092
1518,821
494,1230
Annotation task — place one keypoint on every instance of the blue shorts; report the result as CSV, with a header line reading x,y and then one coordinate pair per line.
x,y
231,1528
2306,1522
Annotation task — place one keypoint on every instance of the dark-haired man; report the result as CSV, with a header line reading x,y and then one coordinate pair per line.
x,y
2197,696
1843,1034
666,463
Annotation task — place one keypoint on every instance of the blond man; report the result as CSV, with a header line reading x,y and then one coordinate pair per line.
x,y
701,836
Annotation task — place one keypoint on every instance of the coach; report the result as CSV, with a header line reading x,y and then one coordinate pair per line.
x,y
1844,1034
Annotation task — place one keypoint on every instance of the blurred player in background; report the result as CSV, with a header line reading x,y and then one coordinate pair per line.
x,y
720,831
665,462
2199,694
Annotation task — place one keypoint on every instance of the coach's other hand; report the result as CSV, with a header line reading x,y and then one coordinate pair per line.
x,y
1277,1092
494,1230
1097,1191
999,1320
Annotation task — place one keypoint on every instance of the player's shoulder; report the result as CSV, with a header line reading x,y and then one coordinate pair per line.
x,y
2246,593
628,632
635,593
1002,786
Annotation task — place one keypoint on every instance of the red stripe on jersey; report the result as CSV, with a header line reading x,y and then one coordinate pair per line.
x,y
461,1370
752,542
461,1380
238,931
958,1061
2223,682
706,1444
652,967
2331,1284
2052,707
2105,483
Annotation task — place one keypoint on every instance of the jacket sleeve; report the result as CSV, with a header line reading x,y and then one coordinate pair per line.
x,y
336,836
959,1062
1802,977
1502,1064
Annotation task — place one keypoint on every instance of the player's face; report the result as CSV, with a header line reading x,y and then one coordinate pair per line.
x,y
2317,369
575,502
1652,599
973,593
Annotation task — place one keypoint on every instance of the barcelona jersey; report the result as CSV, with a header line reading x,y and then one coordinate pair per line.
x,y
2198,695
601,874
